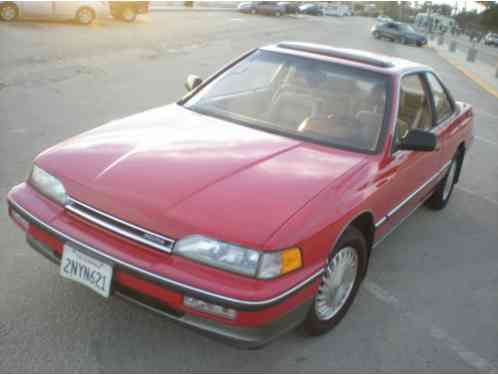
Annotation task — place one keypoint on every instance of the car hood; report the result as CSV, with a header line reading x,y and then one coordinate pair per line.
x,y
177,172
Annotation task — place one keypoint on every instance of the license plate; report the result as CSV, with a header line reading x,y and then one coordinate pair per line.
x,y
86,270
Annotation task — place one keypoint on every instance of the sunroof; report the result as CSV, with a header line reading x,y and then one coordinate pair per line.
x,y
363,57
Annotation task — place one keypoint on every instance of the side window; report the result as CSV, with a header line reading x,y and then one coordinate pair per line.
x,y
414,107
441,100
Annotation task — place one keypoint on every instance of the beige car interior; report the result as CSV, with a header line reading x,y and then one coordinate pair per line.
x,y
320,106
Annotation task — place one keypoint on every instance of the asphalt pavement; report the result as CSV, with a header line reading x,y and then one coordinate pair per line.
x,y
430,299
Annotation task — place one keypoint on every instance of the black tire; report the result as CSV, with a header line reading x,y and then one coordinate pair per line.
x,y
441,196
419,44
376,35
85,16
353,238
8,12
128,14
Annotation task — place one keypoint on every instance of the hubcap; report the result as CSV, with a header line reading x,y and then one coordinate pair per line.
x,y
85,16
449,181
337,283
128,14
8,13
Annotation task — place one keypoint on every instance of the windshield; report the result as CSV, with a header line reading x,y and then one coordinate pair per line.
x,y
299,97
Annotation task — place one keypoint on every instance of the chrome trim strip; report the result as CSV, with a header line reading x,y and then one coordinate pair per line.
x,y
120,231
422,187
380,240
412,195
165,280
380,222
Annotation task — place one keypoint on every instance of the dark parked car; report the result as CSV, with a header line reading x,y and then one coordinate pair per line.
x,y
398,32
491,39
289,7
128,10
262,7
312,9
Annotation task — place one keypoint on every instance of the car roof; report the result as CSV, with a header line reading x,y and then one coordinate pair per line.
x,y
347,56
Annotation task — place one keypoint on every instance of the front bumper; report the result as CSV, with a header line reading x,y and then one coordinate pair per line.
x,y
243,336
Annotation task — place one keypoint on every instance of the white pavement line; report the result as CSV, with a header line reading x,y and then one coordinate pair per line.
x,y
465,190
470,358
481,139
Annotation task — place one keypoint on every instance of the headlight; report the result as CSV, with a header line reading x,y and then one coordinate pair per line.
x,y
239,259
48,185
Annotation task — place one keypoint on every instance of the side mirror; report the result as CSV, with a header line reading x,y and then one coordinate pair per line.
x,y
419,140
192,82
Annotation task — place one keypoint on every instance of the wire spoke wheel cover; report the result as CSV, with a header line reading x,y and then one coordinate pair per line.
x,y
337,283
128,14
8,13
85,16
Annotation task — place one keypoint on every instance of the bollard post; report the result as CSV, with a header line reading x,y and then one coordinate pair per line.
x,y
453,45
472,53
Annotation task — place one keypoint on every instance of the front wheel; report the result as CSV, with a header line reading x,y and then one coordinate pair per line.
x,y
441,196
8,12
85,16
128,14
339,284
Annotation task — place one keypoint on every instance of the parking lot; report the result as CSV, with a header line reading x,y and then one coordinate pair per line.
x,y
429,301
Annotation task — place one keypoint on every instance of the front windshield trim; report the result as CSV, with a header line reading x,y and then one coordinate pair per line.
x,y
239,121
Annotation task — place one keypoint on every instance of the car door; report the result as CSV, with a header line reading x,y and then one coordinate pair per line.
x,y
445,113
67,9
36,9
408,175
392,30
263,7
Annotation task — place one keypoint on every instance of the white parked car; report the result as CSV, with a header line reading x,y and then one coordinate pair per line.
x,y
84,12
338,11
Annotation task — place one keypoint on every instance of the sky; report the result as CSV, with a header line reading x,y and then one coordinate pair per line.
x,y
469,4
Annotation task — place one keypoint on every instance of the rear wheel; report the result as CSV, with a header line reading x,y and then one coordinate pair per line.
x,y
85,16
8,12
339,284
441,196
128,14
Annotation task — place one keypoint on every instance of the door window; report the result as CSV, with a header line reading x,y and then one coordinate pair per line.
x,y
414,109
442,103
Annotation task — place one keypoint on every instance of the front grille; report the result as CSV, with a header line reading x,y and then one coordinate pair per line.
x,y
120,227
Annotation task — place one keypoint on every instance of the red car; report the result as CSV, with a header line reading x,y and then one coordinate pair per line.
x,y
252,205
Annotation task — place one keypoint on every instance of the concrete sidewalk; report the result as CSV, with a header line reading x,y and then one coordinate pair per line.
x,y
483,74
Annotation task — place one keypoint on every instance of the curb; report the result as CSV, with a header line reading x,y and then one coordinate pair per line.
x,y
185,9
484,85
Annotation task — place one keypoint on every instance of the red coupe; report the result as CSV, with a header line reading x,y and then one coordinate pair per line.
x,y
251,205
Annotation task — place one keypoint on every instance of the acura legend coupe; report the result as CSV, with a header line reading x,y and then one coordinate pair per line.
x,y
253,204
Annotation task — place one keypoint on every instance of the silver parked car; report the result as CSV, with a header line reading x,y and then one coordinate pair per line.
x,y
84,12
262,7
